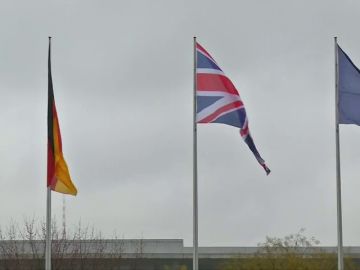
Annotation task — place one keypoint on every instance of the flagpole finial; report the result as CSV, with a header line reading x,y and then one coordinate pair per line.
x,y
49,37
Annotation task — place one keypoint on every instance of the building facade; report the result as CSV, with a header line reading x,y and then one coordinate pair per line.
x,y
136,254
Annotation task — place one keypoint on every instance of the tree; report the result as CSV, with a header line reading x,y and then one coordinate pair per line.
x,y
294,251
23,247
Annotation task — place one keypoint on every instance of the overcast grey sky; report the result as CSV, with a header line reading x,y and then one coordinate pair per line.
x,y
122,73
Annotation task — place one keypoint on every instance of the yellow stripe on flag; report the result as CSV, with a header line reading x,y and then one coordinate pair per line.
x,y
62,175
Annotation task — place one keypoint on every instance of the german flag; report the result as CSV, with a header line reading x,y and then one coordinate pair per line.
x,y
58,177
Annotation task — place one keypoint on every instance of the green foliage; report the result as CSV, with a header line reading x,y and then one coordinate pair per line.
x,y
293,252
177,267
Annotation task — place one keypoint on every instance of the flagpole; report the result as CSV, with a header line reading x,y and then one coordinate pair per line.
x,y
338,174
48,206
195,188
48,231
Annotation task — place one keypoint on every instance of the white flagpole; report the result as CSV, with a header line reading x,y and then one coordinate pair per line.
x,y
48,231
195,189
338,174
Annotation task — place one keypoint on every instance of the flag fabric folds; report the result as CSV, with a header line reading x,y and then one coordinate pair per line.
x,y
349,90
58,177
218,101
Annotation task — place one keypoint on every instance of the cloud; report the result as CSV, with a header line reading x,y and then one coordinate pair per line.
x,y
123,86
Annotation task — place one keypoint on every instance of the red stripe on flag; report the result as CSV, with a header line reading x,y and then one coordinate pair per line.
x,y
201,48
215,82
245,130
56,120
237,104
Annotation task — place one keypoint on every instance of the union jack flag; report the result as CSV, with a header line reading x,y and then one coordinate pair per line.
x,y
218,101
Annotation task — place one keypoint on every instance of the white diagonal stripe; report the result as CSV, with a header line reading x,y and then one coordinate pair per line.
x,y
209,71
227,99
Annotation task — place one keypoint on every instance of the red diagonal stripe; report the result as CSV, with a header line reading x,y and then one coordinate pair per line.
x,y
201,48
244,131
214,115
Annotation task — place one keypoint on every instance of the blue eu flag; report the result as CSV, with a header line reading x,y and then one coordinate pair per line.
x,y
349,90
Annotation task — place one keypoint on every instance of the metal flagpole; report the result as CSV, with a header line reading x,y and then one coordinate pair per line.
x,y
195,189
338,175
48,231
48,200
